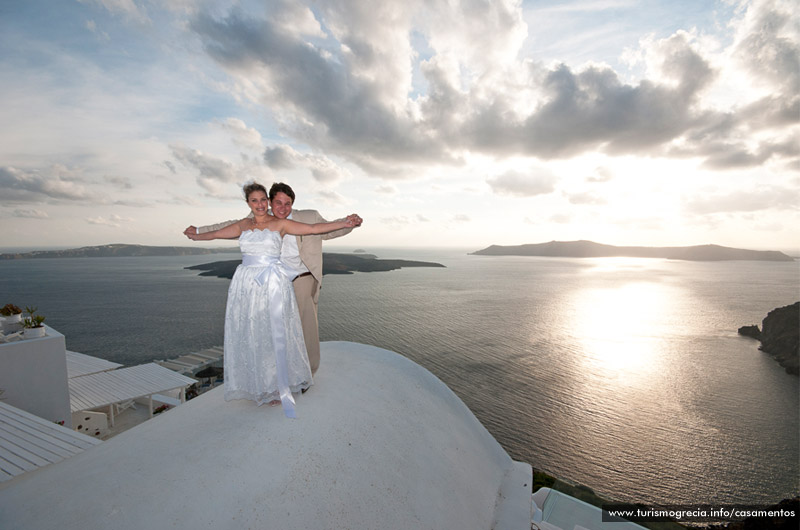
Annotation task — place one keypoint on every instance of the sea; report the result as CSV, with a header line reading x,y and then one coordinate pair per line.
x,y
624,375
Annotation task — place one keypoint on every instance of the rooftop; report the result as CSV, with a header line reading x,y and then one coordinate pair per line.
x,y
30,443
79,364
379,443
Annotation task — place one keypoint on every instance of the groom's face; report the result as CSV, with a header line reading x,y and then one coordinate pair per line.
x,y
281,205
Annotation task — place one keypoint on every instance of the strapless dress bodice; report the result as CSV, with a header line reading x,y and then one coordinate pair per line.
x,y
260,243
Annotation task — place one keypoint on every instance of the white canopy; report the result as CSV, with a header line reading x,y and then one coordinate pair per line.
x,y
116,386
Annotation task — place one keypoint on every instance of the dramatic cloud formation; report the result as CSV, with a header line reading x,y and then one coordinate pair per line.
x,y
481,99
622,122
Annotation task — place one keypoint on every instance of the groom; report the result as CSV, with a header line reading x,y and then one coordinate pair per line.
x,y
303,253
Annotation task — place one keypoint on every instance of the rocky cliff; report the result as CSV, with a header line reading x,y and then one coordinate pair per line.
x,y
780,336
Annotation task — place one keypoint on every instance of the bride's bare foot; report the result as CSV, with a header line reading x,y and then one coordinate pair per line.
x,y
274,402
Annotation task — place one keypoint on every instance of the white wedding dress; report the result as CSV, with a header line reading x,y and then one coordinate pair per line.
x,y
265,355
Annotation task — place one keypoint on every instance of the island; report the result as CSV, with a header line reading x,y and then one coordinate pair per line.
x,y
332,263
779,336
590,249
116,250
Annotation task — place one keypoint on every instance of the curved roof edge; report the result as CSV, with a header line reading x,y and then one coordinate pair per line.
x,y
379,442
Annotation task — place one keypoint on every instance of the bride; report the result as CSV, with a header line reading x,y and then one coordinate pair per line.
x,y
265,354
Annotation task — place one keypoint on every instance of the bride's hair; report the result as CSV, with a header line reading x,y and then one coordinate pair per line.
x,y
250,188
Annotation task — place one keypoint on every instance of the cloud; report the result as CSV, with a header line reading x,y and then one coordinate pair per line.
x,y
519,184
394,85
243,135
395,221
281,157
322,168
560,218
125,8
743,201
767,45
113,220
91,25
182,199
461,218
57,182
332,197
386,189
120,182
30,214
588,197
213,173
594,110
722,155
350,100
601,174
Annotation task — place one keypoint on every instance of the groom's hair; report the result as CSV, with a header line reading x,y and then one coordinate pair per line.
x,y
280,187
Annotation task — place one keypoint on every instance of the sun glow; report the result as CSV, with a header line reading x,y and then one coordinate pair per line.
x,y
620,327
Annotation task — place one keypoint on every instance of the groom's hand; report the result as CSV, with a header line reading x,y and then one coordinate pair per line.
x,y
191,231
355,220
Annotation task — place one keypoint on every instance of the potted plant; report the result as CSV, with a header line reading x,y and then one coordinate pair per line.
x,y
11,313
12,318
34,324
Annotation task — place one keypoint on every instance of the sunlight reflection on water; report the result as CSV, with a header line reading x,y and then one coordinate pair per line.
x,y
617,327
625,375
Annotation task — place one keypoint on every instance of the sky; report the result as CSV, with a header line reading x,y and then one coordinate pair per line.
x,y
442,123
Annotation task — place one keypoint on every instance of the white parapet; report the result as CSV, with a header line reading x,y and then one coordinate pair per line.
x,y
33,376
379,443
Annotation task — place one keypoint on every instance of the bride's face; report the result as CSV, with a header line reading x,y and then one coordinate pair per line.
x,y
258,203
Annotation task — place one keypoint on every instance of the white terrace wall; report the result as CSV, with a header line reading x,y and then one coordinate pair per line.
x,y
33,376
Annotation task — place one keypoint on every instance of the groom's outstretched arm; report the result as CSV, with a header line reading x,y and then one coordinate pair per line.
x,y
314,216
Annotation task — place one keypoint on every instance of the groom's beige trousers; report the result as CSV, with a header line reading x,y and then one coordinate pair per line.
x,y
305,287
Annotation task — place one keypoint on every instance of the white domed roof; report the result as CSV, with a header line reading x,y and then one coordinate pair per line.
x,y
379,443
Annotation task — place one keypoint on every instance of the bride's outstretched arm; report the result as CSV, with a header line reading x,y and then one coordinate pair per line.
x,y
231,231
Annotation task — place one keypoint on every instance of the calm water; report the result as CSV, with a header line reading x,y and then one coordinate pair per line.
x,y
626,375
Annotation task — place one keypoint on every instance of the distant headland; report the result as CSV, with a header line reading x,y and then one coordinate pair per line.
x,y
359,261
590,249
332,263
116,250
